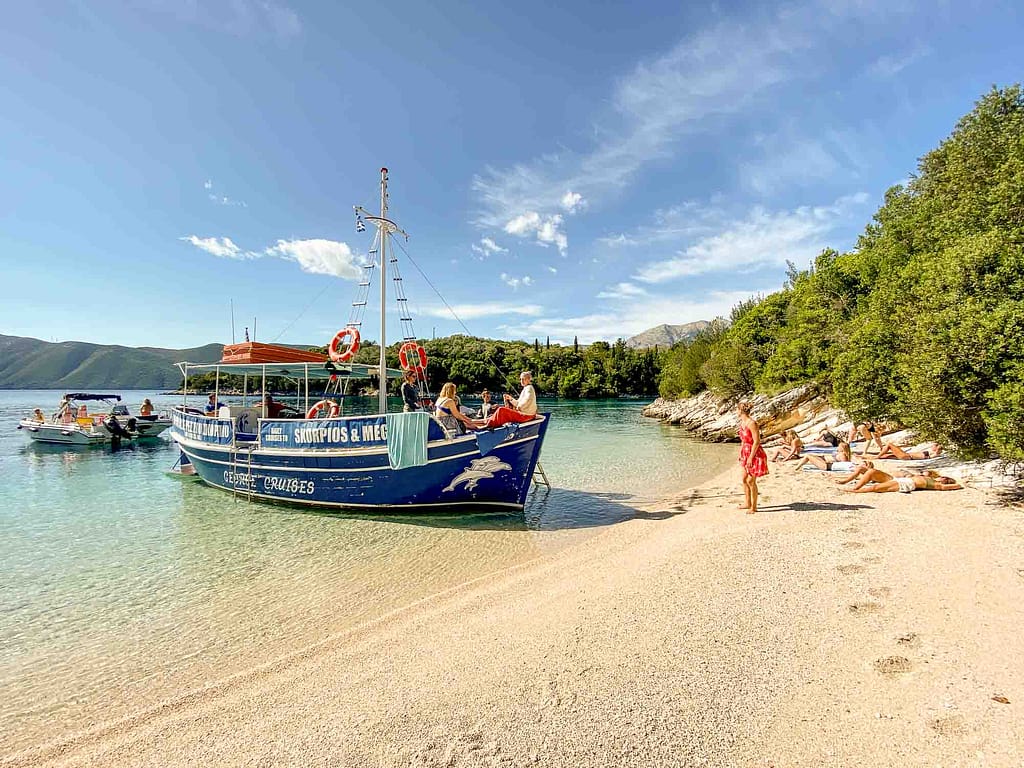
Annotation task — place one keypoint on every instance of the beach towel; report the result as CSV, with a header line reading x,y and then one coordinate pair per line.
x,y
488,440
407,438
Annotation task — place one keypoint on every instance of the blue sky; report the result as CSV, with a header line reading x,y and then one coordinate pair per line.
x,y
573,169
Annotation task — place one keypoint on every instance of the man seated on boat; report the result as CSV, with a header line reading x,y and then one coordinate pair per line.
x,y
515,411
213,405
37,415
487,407
276,410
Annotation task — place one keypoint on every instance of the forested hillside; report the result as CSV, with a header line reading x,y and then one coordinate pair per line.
x,y
922,322
30,363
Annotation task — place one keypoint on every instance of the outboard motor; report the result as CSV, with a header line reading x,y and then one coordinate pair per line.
x,y
116,430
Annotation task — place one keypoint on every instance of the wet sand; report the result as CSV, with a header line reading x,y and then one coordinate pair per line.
x,y
830,629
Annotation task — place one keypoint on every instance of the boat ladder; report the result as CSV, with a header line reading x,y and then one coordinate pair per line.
x,y
543,479
245,463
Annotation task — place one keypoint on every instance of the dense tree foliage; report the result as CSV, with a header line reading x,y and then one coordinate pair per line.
x,y
598,370
923,322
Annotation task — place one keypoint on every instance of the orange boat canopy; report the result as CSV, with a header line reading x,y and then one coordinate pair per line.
x,y
256,352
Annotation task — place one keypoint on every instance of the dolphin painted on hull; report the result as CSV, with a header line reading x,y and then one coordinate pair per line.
x,y
479,469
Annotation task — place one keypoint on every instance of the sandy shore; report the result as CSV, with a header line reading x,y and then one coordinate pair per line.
x,y
828,630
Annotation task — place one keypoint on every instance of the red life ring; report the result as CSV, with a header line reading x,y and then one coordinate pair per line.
x,y
418,361
344,355
333,409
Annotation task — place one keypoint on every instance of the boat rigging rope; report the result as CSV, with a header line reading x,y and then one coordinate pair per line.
x,y
447,305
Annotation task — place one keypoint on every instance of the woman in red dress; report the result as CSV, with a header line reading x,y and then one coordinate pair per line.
x,y
752,457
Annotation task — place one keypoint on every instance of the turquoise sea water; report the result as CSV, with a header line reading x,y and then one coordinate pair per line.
x,y
121,587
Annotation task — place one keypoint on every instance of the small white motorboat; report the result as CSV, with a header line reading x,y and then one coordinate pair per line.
x,y
72,424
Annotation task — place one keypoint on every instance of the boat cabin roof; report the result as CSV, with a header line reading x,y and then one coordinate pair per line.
x,y
293,370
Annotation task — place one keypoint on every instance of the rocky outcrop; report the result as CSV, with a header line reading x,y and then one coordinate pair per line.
x,y
714,419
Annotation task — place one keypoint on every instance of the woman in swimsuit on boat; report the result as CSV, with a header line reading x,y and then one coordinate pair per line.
x,y
752,457
448,413
926,451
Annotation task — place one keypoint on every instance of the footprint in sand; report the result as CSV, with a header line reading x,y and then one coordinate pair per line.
x,y
893,665
851,529
880,591
950,725
864,608
871,559
854,544
846,570
908,639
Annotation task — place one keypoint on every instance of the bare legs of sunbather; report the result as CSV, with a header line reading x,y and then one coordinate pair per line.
x,y
893,451
864,474
869,431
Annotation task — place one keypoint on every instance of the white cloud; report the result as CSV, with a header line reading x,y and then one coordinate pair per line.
x,y
545,229
762,238
222,247
514,282
630,318
221,199
553,270
320,257
485,309
208,184
487,247
573,202
622,291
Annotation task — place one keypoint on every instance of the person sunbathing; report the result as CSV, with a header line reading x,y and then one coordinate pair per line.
x,y
924,481
911,453
792,446
840,461
827,439
868,430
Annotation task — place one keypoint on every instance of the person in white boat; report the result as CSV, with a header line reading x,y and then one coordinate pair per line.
x,y
146,409
37,415
64,414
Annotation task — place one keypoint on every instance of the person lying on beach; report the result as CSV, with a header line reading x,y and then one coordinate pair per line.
x,y
840,461
792,445
868,430
922,451
924,481
825,440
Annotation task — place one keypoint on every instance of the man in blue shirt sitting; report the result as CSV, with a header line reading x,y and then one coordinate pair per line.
x,y
213,405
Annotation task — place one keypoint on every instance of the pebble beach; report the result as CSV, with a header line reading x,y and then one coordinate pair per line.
x,y
830,629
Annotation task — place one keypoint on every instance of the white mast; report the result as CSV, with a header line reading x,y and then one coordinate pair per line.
x,y
383,394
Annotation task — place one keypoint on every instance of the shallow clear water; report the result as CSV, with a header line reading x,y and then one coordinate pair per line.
x,y
121,586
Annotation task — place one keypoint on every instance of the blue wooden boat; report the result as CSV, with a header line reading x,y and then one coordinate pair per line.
x,y
370,463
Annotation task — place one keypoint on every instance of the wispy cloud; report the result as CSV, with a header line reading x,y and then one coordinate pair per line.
x,y
242,18
622,291
515,282
221,199
892,64
762,238
484,309
629,317
487,247
221,247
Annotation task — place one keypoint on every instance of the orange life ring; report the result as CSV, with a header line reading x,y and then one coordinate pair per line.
x,y
417,363
333,409
344,355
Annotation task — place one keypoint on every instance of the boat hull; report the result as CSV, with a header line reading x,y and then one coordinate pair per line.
x,y
63,434
456,474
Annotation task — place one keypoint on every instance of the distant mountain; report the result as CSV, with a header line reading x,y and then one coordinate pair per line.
x,y
666,335
30,363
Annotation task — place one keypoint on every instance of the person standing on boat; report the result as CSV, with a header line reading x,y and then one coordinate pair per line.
x,y
753,459
410,392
